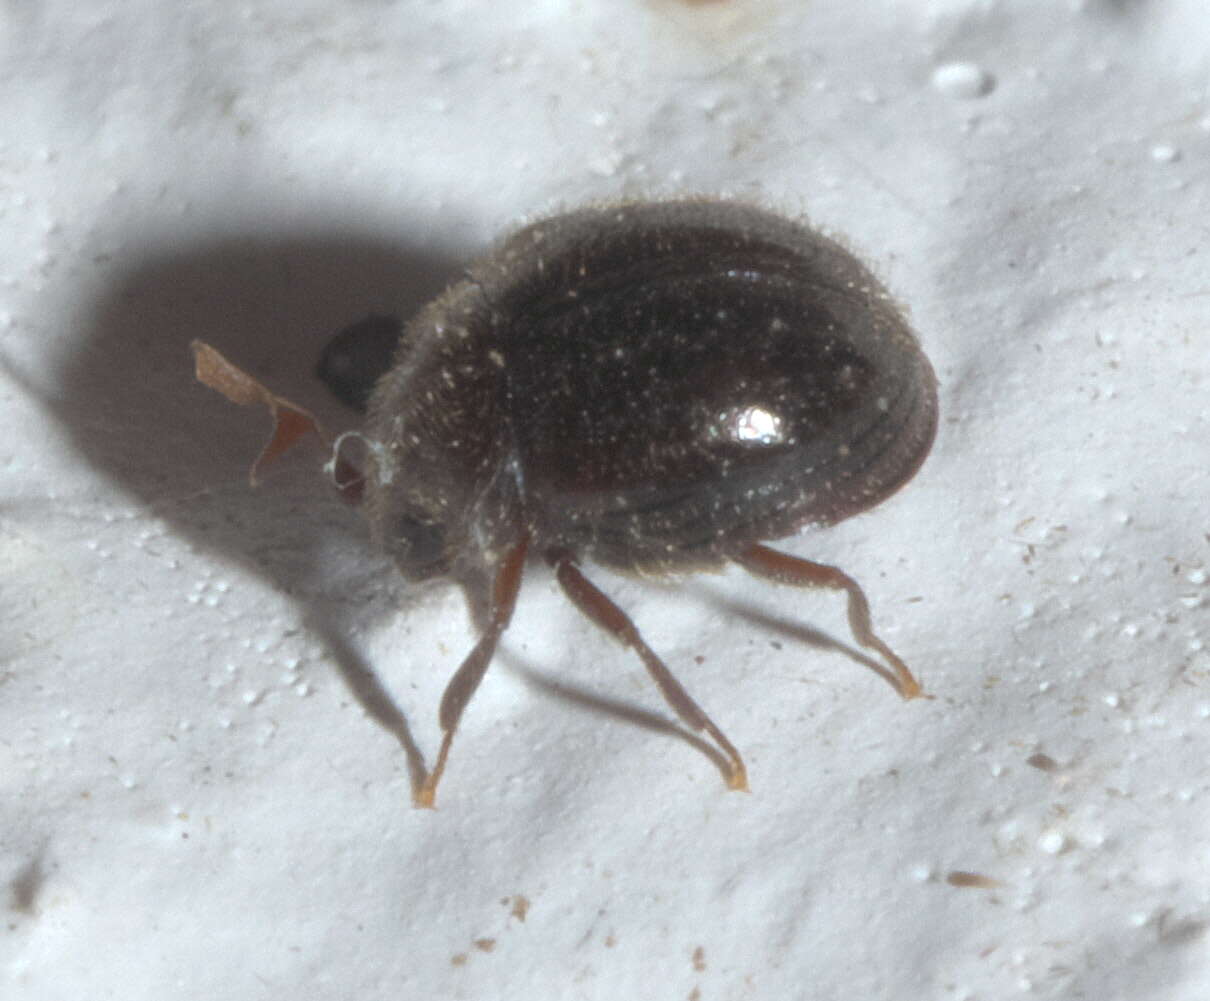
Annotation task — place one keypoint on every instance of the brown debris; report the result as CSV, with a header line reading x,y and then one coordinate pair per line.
x,y
520,907
972,880
1042,762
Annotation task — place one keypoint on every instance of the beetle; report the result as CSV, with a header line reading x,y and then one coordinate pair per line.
x,y
656,387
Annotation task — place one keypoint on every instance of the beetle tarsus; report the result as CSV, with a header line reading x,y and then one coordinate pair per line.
x,y
426,796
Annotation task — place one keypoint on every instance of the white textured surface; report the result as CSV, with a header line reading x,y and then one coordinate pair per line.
x,y
195,804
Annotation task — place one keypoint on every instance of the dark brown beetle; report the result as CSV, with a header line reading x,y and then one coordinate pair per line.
x,y
655,387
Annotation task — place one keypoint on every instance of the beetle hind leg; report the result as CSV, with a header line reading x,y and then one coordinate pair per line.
x,y
786,569
600,609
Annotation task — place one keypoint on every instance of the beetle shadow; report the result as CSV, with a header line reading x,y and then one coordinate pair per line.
x,y
797,631
124,392
581,698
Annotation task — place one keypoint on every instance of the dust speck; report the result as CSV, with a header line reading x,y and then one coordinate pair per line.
x,y
1042,762
25,886
520,906
972,880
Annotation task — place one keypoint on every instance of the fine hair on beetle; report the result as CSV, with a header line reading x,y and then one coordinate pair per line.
x,y
654,387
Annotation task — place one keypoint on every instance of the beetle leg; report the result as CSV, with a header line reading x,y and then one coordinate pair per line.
x,y
594,604
786,569
466,679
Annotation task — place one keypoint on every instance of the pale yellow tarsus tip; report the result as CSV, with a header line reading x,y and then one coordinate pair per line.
x,y
425,798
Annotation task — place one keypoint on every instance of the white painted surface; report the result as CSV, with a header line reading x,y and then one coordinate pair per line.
x,y
195,804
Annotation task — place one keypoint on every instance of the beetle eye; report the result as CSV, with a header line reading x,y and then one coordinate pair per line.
x,y
421,543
